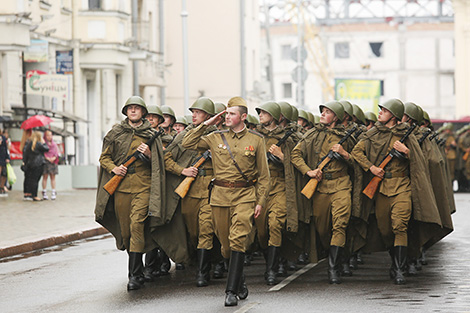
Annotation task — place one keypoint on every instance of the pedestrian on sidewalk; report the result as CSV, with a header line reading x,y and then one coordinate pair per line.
x,y
4,159
33,160
51,168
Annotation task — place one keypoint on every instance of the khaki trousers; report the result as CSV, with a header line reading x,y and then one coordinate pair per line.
x,y
393,215
272,220
232,226
331,213
198,219
131,211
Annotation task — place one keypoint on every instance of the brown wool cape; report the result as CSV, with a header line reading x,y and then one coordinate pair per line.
x,y
425,220
157,233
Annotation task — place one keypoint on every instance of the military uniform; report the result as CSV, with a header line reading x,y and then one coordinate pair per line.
x,y
451,154
233,199
464,145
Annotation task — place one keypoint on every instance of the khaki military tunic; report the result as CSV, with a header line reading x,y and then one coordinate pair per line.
x,y
131,199
393,201
464,144
332,199
233,207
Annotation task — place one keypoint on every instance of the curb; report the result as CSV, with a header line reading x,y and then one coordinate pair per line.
x,y
50,241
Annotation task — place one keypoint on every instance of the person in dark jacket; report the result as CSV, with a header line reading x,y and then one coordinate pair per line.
x,y
33,165
4,159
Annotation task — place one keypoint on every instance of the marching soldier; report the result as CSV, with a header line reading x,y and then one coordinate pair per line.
x,y
272,219
180,124
251,122
302,120
239,189
394,201
464,145
348,122
371,119
450,148
139,195
332,198
167,125
219,107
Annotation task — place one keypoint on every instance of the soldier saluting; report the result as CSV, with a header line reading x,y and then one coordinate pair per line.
x,y
240,186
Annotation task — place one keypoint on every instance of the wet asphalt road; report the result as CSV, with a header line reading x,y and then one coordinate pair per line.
x,y
91,276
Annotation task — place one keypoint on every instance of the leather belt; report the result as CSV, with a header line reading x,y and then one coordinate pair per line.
x,y
396,174
205,172
234,184
276,174
330,176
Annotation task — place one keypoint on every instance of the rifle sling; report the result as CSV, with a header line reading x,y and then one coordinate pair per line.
x,y
231,156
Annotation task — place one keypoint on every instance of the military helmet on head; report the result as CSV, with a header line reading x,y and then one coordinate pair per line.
x,y
370,116
204,104
336,107
311,118
252,119
168,111
303,114
286,110
272,108
414,112
136,100
295,114
155,109
348,108
359,114
189,118
219,107
426,118
181,120
395,106
316,118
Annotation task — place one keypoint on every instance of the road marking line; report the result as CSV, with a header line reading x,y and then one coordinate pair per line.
x,y
246,307
286,281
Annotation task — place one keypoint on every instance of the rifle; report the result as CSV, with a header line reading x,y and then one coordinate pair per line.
x,y
358,133
426,134
114,182
433,136
184,186
371,188
272,157
465,156
310,187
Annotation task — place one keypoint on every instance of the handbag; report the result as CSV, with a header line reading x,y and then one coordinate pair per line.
x,y
11,174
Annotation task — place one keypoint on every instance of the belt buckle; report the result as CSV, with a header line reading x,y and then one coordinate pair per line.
x,y
388,175
328,176
231,184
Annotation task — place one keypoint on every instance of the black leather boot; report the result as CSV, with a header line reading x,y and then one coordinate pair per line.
x,y
152,265
204,266
302,259
359,258
334,263
219,269
243,289
413,267
248,259
271,265
399,264
282,268
353,261
165,262
345,269
422,258
136,269
235,272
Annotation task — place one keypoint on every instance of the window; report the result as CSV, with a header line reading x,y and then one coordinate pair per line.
x,y
287,90
94,5
376,49
342,50
286,52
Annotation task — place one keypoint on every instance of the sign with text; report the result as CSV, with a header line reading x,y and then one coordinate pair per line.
x,y
64,62
37,51
363,92
50,85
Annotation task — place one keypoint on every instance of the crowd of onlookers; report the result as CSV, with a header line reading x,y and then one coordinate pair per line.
x,y
40,159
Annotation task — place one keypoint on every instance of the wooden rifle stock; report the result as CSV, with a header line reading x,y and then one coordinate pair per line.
x,y
465,156
114,182
183,187
371,188
311,185
271,157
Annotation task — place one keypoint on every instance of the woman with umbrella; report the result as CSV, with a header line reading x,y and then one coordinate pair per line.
x,y
33,164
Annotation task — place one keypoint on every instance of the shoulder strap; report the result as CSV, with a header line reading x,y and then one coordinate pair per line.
x,y
231,156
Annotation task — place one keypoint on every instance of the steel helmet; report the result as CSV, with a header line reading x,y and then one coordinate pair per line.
x,y
426,117
414,111
295,114
286,110
168,111
135,100
359,114
189,118
311,118
219,107
395,106
317,119
370,116
155,109
272,108
336,107
181,120
347,107
204,104
303,114
252,119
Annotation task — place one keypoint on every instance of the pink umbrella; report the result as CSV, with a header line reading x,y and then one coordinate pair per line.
x,y
36,121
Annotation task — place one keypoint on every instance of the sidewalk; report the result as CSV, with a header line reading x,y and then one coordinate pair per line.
x,y
26,225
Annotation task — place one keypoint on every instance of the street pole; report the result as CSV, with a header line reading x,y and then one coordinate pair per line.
x,y
299,50
242,49
184,19
135,65
161,44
